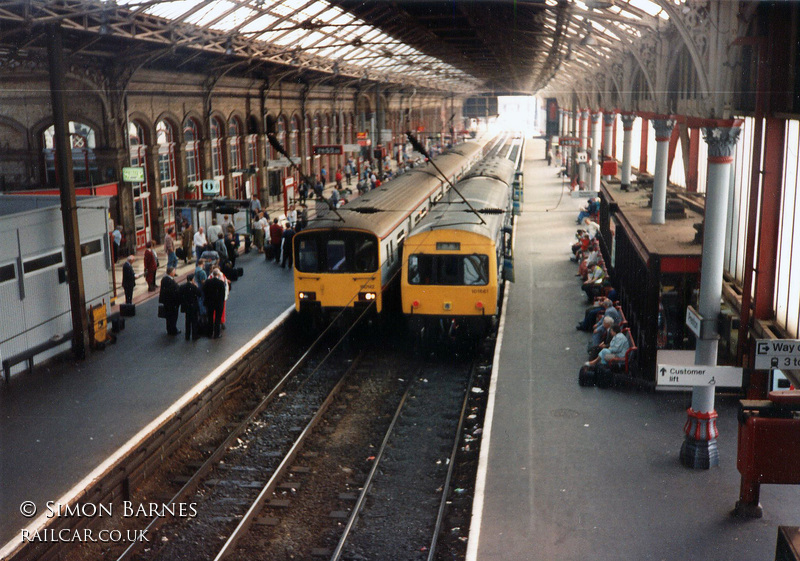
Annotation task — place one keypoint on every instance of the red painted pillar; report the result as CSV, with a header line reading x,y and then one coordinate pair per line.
x,y
694,159
643,147
772,186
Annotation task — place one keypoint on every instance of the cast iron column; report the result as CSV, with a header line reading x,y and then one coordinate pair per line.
x,y
584,124
699,449
608,123
627,147
663,128
69,209
594,183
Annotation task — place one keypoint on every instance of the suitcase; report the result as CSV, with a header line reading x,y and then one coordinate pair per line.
x,y
269,252
127,310
604,377
180,254
231,273
586,376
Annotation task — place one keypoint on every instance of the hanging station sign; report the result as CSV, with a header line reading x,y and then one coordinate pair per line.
x,y
133,174
328,149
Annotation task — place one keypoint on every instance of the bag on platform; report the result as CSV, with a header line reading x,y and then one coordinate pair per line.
x,y
162,311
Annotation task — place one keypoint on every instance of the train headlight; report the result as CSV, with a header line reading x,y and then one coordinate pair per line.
x,y
366,296
307,295
479,305
415,304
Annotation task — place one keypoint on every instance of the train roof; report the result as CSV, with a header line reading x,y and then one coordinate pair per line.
x,y
487,187
381,209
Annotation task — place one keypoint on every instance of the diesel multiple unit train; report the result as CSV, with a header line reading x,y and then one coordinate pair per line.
x,y
451,258
348,260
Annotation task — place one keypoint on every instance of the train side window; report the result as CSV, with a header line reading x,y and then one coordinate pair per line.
x,y
7,272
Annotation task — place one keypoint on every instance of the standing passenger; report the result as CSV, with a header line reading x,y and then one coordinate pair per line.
x,y
169,298
169,248
150,266
275,236
288,235
187,234
128,279
214,300
189,296
200,243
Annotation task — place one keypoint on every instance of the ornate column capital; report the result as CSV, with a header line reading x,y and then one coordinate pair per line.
x,y
595,117
608,118
584,113
627,120
721,143
663,128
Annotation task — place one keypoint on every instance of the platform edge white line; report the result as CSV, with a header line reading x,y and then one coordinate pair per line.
x,y
480,480
11,547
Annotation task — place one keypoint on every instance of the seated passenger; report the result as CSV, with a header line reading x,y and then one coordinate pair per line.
x,y
616,349
593,286
601,331
590,321
592,208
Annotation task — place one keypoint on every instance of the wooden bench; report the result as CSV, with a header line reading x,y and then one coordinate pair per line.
x,y
27,355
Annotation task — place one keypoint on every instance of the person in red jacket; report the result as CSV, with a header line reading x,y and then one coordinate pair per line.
x,y
338,178
150,266
275,236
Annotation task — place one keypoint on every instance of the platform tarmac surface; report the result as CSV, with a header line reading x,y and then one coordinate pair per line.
x,y
585,473
65,419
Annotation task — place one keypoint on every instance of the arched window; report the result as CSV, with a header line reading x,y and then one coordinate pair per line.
x,y
165,138
191,139
217,165
294,137
140,190
82,143
235,161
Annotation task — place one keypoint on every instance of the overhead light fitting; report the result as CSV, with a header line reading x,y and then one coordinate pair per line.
x,y
589,40
229,46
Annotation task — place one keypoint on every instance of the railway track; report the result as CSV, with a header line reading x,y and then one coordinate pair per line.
x,y
397,512
251,464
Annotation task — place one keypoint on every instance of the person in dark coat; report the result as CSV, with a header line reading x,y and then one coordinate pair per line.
x,y
169,297
288,235
128,279
232,246
150,266
189,296
214,300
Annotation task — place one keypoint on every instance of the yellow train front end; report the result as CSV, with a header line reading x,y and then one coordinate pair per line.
x,y
449,282
336,270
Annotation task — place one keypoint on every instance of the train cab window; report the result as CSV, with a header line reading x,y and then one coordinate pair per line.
x,y
307,261
327,252
476,270
448,270
365,256
336,256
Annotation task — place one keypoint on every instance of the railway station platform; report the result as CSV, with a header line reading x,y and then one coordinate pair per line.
x,y
576,473
62,420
